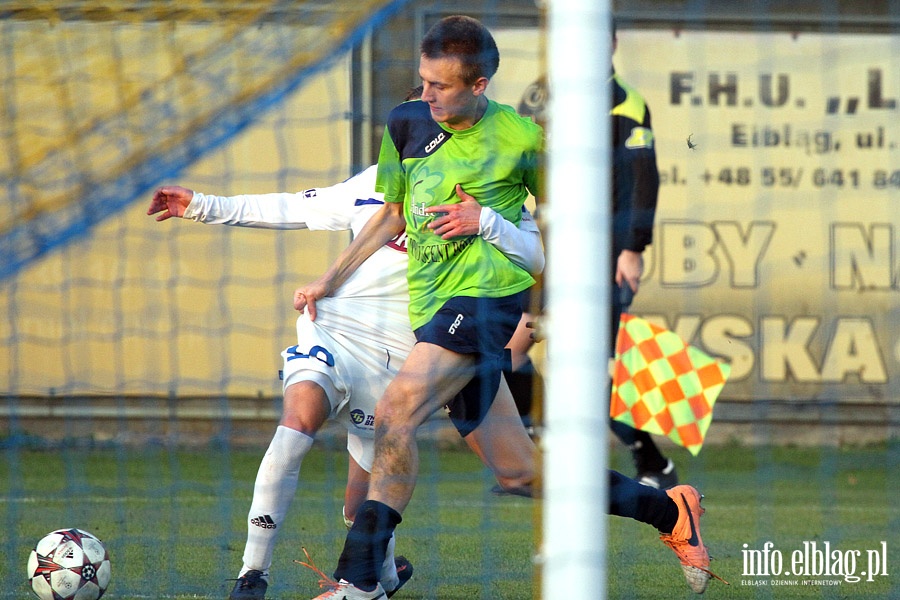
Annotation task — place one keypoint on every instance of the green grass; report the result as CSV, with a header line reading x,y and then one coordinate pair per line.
x,y
782,495
174,520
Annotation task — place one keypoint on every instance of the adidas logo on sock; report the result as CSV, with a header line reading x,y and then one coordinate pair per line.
x,y
264,521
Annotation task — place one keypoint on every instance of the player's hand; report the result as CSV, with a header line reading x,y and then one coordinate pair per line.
x,y
305,297
456,220
170,201
537,329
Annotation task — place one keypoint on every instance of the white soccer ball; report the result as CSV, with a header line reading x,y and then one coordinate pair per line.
x,y
69,563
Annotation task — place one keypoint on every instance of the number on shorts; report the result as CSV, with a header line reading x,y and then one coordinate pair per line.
x,y
317,352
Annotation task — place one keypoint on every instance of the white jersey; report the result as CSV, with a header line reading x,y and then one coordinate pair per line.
x,y
372,303
361,334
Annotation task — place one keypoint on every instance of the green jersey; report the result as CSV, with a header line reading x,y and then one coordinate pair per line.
x,y
420,163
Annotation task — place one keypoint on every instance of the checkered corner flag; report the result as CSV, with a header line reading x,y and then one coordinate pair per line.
x,y
663,385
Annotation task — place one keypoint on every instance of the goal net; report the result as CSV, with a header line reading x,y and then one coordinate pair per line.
x,y
139,361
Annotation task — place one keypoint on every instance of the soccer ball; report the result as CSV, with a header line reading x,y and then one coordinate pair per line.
x,y
69,563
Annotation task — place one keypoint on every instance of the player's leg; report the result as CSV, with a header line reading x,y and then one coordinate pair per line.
x,y
501,442
463,341
395,571
520,373
494,425
430,376
628,498
306,408
357,476
675,513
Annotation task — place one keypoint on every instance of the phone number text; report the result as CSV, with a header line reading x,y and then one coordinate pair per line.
x,y
788,177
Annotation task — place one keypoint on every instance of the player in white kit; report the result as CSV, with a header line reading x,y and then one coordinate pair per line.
x,y
343,360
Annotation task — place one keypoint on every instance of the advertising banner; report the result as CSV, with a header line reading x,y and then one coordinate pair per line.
x,y
775,234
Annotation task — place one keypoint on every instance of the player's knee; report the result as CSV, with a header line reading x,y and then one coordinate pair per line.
x,y
519,486
514,472
305,408
393,424
399,410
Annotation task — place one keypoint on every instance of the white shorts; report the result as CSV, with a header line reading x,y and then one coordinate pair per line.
x,y
362,450
354,374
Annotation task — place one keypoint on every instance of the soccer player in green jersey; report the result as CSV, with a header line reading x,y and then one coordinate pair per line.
x,y
464,303
464,296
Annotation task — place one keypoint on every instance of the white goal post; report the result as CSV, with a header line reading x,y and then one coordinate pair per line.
x,y
578,240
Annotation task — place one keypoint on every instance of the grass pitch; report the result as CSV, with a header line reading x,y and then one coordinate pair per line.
x,y
174,522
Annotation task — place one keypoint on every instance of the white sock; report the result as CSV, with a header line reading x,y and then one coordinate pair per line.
x,y
389,579
276,482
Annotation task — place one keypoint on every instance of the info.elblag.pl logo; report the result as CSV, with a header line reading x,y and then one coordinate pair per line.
x,y
813,563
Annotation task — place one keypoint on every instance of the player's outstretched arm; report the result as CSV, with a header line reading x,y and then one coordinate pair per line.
x,y
260,211
169,201
332,208
378,231
263,211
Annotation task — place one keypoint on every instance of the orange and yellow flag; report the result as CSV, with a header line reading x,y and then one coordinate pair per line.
x,y
663,385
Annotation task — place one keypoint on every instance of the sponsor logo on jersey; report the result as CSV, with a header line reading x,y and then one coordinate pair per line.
x,y
435,143
438,252
418,209
310,193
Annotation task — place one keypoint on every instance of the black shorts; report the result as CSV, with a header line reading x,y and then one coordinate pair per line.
x,y
533,299
479,326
